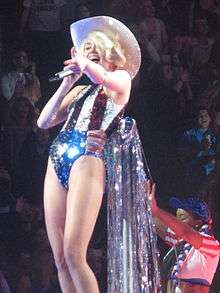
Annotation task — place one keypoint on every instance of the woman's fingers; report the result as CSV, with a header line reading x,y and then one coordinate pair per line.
x,y
73,53
69,61
72,66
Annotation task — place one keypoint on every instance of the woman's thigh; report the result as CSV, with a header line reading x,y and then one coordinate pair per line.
x,y
55,209
86,188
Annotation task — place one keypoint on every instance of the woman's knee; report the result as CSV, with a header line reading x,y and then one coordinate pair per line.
x,y
60,261
74,254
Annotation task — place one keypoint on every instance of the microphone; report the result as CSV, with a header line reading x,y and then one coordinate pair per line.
x,y
60,75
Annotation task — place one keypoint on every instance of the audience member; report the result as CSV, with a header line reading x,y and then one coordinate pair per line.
x,y
152,36
198,150
200,43
165,91
152,29
19,122
42,20
22,80
211,10
210,93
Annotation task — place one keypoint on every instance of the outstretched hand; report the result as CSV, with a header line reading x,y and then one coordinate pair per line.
x,y
151,193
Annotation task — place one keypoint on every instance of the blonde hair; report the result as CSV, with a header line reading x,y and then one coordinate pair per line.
x,y
110,48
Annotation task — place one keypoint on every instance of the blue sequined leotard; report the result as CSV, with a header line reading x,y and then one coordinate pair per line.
x,y
90,112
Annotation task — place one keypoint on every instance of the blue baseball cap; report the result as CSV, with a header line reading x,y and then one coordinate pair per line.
x,y
192,204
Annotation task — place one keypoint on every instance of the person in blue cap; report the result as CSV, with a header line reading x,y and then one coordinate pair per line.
x,y
192,261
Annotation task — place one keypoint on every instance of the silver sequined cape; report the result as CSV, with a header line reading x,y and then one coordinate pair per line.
x,y
132,245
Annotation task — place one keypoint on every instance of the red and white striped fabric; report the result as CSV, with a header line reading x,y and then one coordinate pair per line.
x,y
201,263
170,238
210,246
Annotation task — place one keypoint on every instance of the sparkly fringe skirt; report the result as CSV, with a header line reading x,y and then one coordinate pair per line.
x,y
132,244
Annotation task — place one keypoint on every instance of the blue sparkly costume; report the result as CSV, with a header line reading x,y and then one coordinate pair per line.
x,y
132,239
92,116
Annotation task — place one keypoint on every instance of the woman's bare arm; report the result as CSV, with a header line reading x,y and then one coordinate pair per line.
x,y
118,81
55,111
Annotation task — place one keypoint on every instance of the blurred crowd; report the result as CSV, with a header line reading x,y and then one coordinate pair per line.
x,y
175,100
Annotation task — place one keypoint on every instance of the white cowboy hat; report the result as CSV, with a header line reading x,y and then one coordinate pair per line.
x,y
112,27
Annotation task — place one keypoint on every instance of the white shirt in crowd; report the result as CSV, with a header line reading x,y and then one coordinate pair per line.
x,y
45,15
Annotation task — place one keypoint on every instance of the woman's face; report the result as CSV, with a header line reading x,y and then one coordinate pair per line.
x,y
92,51
95,53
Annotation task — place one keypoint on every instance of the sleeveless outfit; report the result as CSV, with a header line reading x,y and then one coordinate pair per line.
x,y
95,127
92,116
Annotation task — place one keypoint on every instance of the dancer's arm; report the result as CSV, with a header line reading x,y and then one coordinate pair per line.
x,y
55,111
161,228
118,81
182,230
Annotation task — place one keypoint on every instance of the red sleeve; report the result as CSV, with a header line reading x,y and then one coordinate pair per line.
x,y
210,246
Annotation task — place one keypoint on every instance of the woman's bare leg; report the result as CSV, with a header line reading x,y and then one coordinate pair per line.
x,y
55,214
86,187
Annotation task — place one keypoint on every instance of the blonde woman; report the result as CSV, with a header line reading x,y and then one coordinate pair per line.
x,y
108,53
